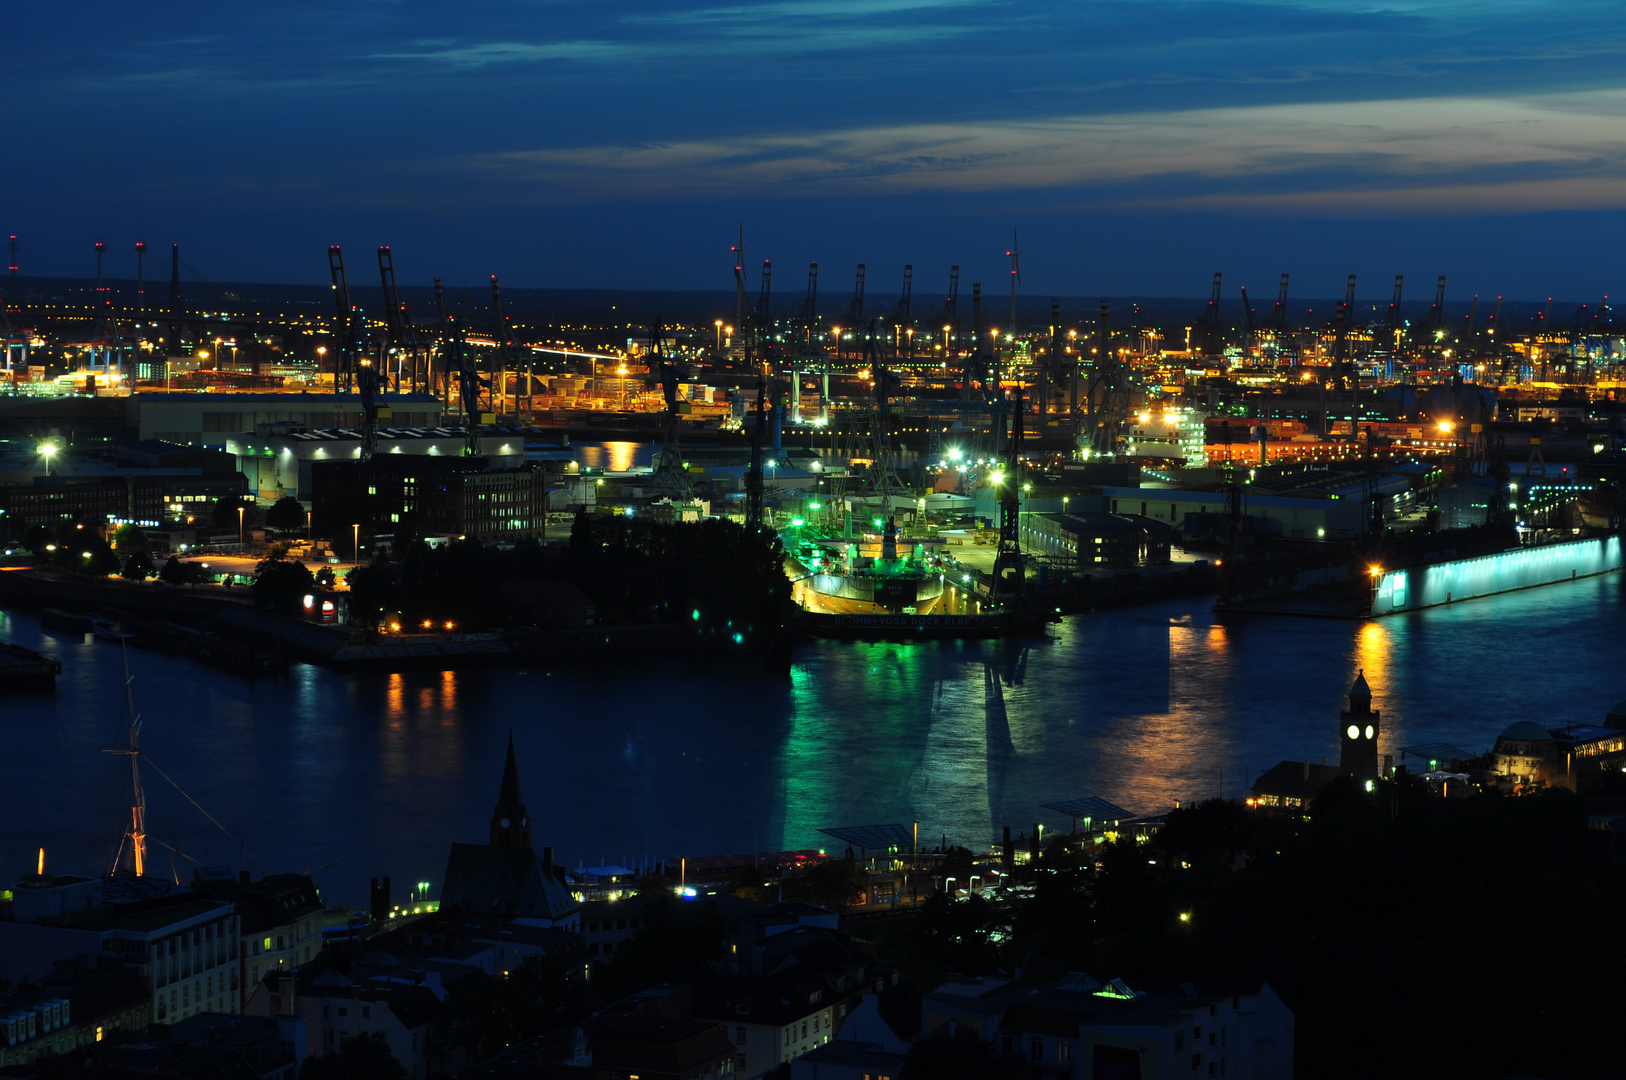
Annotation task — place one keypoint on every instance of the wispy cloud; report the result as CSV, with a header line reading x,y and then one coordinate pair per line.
x,y
1303,155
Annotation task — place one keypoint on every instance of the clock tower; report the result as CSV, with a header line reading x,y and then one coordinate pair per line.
x,y
510,822
1358,728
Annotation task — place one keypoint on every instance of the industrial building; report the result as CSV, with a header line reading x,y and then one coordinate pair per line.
x,y
1089,541
474,497
277,458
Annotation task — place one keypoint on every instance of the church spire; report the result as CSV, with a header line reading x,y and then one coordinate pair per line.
x,y
510,823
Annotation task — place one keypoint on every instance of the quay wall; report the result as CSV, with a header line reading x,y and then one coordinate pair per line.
x,y
1521,568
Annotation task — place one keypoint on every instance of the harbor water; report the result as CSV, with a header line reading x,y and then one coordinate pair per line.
x,y
353,776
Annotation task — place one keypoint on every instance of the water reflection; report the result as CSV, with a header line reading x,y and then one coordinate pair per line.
x,y
615,456
962,737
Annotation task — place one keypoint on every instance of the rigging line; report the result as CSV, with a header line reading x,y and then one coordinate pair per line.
x,y
175,851
194,802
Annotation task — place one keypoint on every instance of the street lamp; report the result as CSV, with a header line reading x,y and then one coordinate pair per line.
x,y
355,546
46,451
719,335
240,544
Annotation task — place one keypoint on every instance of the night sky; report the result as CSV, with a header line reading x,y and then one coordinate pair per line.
x,y
1138,146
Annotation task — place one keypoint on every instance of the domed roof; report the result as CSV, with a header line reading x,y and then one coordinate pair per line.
x,y
1525,731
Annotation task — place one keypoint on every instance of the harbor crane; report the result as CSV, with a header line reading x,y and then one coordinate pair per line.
x,y
355,353
808,317
403,342
854,318
1436,314
1010,570
670,472
903,317
1278,314
505,357
1343,368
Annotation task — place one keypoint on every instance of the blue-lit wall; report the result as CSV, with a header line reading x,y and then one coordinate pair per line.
x,y
1408,590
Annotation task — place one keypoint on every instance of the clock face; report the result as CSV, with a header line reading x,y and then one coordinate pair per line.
x,y
1353,732
503,823
1369,731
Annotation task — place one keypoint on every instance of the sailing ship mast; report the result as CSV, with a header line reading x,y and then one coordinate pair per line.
x,y
137,834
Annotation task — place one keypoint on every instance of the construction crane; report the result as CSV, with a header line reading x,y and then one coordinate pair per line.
x,y
1107,396
343,312
854,319
1010,572
444,335
761,324
670,472
402,340
742,305
1278,314
950,320
176,315
1473,310
1436,314
504,355
1211,313
1343,368
1392,320
977,362
753,475
808,317
1015,255
1052,371
1247,312
356,353
141,281
903,317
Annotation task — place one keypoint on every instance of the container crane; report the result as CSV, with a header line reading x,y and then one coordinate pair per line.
x,y
808,317
402,340
1436,314
1278,314
504,355
903,318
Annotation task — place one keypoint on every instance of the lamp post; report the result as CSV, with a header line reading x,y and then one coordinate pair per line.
x,y
240,544
719,335
46,451
355,544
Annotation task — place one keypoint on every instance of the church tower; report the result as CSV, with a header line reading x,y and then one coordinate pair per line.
x,y
510,823
1358,728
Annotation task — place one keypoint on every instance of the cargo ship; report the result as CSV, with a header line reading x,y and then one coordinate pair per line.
x,y
842,582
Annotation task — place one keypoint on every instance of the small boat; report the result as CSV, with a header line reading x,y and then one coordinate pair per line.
x,y
108,630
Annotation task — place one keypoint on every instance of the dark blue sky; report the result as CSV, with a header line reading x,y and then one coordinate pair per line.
x,y
1139,146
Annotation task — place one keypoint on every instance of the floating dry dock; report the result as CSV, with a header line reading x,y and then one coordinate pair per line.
x,y
1420,587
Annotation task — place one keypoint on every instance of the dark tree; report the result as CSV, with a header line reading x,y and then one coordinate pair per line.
x,y
362,1057
482,1015
677,936
287,514
280,584
138,567
130,537
834,883
964,1055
